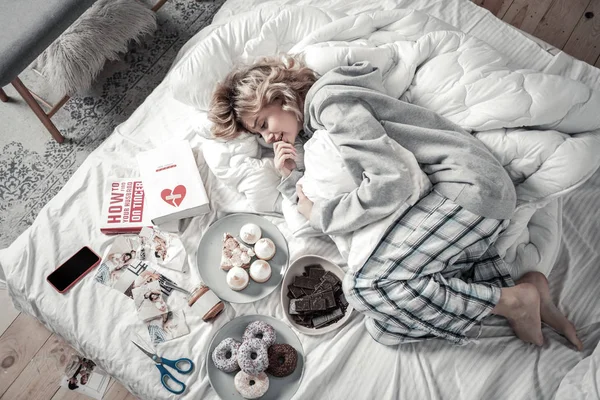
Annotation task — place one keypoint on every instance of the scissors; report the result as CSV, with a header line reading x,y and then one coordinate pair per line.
x,y
181,365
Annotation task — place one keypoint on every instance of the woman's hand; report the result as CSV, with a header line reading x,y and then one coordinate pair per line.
x,y
285,156
304,204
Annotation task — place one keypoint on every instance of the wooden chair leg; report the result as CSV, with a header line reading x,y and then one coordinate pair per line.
x,y
58,106
158,5
3,96
35,107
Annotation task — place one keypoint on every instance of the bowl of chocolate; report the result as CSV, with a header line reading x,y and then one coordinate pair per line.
x,y
312,296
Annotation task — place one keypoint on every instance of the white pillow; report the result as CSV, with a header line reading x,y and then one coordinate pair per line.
x,y
244,38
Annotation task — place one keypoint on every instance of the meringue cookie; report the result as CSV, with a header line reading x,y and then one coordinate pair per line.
x,y
237,278
260,271
250,233
265,249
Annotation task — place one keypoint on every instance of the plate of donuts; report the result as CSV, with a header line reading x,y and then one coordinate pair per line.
x,y
242,257
255,357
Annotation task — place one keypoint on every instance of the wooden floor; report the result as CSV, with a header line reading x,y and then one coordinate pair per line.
x,y
570,25
32,359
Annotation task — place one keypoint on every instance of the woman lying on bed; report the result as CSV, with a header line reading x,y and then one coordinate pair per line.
x,y
428,204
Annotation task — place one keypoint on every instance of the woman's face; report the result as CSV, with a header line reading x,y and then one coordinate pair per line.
x,y
274,124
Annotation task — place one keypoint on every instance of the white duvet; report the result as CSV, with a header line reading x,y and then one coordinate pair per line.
x,y
544,128
346,364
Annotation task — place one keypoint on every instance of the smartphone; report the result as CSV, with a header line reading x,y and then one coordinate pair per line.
x,y
72,270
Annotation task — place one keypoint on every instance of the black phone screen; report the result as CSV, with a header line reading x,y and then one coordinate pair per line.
x,y
73,268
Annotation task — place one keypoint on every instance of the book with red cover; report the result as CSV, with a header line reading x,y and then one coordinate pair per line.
x,y
172,182
123,210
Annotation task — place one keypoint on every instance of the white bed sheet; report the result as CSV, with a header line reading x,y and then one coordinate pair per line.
x,y
346,364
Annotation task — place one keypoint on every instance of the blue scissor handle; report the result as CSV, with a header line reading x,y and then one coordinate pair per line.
x,y
181,365
169,381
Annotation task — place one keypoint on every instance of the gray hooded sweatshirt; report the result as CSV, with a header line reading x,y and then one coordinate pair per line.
x,y
352,105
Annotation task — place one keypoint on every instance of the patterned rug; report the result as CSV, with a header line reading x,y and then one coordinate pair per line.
x,y
32,173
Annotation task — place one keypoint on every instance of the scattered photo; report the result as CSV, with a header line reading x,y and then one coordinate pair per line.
x,y
163,248
123,268
82,376
167,327
124,252
149,301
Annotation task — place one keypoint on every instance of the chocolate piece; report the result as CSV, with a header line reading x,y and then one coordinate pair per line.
x,y
323,287
314,296
302,305
296,291
306,323
331,278
324,319
342,300
329,299
315,273
316,267
302,282
302,317
337,290
318,304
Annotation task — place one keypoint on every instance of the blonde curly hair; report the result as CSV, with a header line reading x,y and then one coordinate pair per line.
x,y
249,88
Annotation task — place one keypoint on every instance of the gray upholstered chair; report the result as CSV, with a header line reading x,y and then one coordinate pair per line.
x,y
28,28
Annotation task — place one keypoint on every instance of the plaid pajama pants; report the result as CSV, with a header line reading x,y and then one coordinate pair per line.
x,y
435,273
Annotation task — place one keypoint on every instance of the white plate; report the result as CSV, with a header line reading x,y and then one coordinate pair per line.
x,y
296,269
209,258
279,388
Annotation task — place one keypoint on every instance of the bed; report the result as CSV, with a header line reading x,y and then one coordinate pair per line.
x,y
98,321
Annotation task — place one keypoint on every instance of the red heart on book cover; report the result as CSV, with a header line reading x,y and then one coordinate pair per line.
x,y
174,197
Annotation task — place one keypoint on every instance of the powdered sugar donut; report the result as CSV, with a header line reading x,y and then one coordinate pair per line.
x,y
251,387
225,355
265,249
260,271
250,233
260,330
253,357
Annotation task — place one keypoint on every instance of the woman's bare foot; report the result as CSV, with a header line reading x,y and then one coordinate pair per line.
x,y
520,305
551,315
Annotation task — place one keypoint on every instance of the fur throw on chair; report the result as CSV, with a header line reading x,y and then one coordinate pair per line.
x,y
76,58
